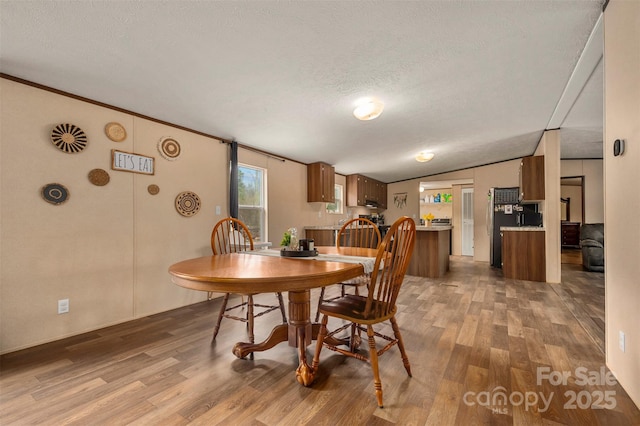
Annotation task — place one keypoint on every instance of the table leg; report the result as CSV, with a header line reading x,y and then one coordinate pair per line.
x,y
301,332
279,334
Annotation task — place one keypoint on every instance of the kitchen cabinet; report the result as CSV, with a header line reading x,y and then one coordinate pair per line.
x,y
532,178
523,255
321,182
362,189
321,237
570,234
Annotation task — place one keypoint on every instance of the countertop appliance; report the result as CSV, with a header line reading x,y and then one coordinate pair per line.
x,y
502,209
441,222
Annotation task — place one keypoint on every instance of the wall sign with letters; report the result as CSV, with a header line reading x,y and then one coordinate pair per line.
x,y
128,162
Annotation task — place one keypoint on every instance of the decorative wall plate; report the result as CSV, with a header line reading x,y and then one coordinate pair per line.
x,y
169,148
115,132
55,193
187,203
153,189
99,177
68,138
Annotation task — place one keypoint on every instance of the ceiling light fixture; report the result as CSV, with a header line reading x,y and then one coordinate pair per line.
x,y
423,157
368,110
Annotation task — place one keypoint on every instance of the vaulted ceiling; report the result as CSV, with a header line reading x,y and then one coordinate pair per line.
x,y
475,82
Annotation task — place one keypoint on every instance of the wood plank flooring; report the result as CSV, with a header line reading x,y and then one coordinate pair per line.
x,y
471,337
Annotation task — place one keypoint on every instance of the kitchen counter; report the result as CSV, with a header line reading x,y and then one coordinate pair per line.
x,y
430,256
323,235
434,228
521,228
324,227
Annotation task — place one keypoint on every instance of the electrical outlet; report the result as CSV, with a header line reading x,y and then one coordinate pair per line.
x,y
621,340
218,210
63,306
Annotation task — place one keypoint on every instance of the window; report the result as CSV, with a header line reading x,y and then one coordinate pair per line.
x,y
336,208
252,206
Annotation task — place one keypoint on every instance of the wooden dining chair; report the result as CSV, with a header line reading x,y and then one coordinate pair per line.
x,y
231,235
359,232
362,312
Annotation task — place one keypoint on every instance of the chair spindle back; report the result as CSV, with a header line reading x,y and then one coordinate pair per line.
x,y
392,261
230,235
359,232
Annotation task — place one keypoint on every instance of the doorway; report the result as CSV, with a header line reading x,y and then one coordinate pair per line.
x,y
572,213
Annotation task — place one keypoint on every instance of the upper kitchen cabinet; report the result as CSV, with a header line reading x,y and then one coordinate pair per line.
x,y
321,182
532,178
364,191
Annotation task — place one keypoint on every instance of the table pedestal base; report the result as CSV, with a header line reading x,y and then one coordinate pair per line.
x,y
299,333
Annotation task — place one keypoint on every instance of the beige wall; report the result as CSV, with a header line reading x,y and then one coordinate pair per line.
x,y
622,196
107,249
592,170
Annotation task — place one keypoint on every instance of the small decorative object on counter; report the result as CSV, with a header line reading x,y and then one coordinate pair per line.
x,y
293,240
429,218
286,239
292,247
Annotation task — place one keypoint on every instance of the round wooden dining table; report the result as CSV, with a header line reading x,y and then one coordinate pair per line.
x,y
245,273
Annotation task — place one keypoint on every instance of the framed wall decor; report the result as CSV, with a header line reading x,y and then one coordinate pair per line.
x,y
400,199
129,162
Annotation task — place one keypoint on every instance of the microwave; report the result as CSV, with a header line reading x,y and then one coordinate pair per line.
x,y
529,218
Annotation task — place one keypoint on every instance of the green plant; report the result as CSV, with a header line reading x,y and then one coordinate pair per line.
x,y
286,239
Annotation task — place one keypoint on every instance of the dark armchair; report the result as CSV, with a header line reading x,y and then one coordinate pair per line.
x,y
592,244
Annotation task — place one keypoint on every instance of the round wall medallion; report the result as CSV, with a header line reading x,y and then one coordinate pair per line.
x,y
153,189
115,132
187,203
68,138
169,148
55,193
99,177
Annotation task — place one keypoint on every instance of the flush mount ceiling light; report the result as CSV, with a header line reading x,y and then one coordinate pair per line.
x,y
423,157
368,110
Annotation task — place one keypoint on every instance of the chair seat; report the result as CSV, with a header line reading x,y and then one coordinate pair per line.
x,y
351,307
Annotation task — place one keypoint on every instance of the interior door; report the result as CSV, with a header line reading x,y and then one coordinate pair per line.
x,y
467,221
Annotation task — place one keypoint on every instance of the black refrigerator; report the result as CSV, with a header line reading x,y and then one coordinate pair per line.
x,y
502,208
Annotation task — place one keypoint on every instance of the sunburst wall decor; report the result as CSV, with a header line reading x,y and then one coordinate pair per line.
x,y
68,138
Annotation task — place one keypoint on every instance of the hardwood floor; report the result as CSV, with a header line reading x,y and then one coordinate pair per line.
x,y
469,336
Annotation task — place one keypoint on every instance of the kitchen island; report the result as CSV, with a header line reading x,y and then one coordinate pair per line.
x,y
431,252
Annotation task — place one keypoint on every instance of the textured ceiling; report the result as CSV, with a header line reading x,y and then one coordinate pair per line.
x,y
475,82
